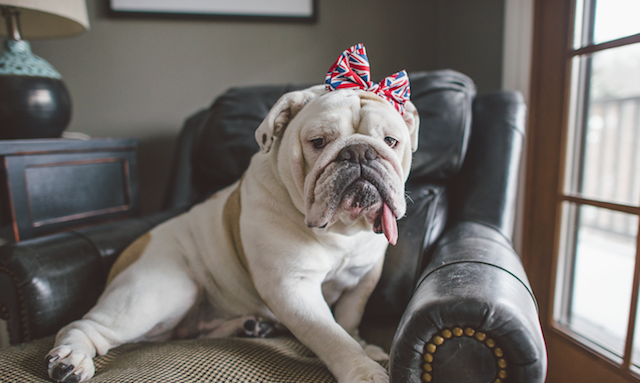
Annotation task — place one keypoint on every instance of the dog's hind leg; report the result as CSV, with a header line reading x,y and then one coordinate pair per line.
x,y
258,328
245,327
145,301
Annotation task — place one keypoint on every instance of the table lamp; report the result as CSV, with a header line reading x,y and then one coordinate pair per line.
x,y
34,102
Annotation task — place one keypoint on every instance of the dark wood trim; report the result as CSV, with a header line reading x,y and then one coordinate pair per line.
x,y
102,160
118,218
74,217
576,198
587,345
569,360
633,310
608,45
594,352
52,146
550,76
40,152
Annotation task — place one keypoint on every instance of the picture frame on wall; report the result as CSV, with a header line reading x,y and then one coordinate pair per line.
x,y
297,10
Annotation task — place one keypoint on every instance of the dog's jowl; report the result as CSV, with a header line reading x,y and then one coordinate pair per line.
x,y
303,232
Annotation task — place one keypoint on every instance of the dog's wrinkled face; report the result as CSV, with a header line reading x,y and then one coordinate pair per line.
x,y
347,155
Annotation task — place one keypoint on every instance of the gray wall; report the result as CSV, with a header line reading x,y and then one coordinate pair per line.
x,y
466,35
141,77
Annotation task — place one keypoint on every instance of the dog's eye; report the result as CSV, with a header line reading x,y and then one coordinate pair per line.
x,y
318,143
392,142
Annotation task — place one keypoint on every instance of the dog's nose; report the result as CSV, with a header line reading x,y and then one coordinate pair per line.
x,y
357,154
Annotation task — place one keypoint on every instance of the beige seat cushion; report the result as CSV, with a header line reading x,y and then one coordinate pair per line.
x,y
281,359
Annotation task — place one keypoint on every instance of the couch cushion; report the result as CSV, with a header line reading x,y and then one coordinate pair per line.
x,y
276,360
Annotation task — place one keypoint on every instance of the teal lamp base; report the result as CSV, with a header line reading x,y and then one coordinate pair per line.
x,y
34,102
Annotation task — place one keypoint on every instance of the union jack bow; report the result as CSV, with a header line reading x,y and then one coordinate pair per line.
x,y
352,71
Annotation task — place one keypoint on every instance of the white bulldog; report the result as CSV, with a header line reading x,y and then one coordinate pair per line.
x,y
293,243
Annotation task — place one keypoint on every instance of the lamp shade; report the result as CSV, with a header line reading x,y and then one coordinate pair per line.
x,y
48,18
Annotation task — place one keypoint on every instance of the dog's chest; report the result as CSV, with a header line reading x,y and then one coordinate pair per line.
x,y
335,285
349,266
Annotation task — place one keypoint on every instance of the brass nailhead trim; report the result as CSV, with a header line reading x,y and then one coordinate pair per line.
x,y
439,339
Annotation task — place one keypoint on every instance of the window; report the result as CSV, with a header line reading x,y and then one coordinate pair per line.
x,y
583,186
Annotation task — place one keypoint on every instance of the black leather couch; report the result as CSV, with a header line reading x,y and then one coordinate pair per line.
x,y
453,290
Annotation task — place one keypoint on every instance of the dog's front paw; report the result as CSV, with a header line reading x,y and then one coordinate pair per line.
x,y
68,366
366,372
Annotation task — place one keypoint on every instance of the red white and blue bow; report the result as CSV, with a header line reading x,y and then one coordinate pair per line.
x,y
352,71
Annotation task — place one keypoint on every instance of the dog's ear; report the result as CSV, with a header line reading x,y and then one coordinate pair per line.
x,y
412,119
285,109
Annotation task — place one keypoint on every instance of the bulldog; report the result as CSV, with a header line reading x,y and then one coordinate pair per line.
x,y
292,245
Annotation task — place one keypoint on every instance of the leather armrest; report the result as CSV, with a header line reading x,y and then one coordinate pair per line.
x,y
472,317
50,281
485,189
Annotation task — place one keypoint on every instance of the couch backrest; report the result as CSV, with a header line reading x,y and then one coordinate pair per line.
x,y
217,144
444,100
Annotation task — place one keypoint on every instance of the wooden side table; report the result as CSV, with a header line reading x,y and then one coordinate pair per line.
x,y
53,185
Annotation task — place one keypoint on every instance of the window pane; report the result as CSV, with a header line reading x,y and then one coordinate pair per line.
x,y
597,307
579,19
616,19
607,160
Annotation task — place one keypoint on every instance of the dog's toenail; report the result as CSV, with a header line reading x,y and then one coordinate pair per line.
x,y
50,360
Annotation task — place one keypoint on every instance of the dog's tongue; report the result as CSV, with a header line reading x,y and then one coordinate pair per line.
x,y
389,225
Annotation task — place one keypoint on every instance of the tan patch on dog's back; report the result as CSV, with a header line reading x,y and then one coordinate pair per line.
x,y
129,256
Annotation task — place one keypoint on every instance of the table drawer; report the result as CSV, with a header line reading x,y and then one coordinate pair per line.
x,y
51,191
